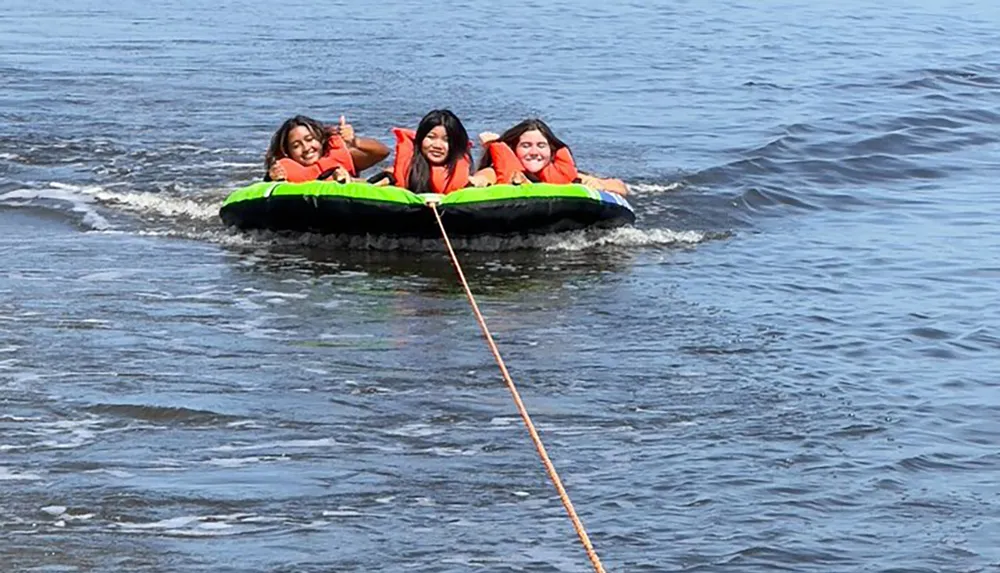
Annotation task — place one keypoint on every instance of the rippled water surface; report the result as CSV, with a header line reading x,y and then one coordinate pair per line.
x,y
788,364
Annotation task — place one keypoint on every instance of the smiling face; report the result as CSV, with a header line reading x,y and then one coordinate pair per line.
x,y
435,146
533,151
303,145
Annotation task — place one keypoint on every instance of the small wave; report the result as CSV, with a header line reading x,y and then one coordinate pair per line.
x,y
77,203
202,526
15,475
237,164
167,414
571,241
242,462
763,84
61,512
282,445
149,203
964,77
756,198
32,434
934,461
629,237
173,209
653,188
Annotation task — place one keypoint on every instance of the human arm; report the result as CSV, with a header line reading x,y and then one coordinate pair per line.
x,y
483,178
338,174
612,185
365,151
276,172
382,178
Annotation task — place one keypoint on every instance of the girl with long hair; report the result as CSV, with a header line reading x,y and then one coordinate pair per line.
x,y
304,149
435,158
530,152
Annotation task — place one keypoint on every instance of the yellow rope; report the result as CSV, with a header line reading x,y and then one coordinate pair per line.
x,y
577,524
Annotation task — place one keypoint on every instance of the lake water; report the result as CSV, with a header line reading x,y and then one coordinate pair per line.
x,y
788,364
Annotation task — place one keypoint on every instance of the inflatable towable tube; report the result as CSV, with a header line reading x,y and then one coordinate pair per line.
x,y
363,209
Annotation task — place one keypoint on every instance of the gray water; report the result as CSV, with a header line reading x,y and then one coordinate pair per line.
x,y
788,364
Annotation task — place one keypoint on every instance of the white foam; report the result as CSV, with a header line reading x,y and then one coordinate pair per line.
x,y
113,473
625,237
415,429
238,164
76,517
76,439
653,188
272,295
107,276
147,203
344,513
196,526
234,462
571,241
56,435
11,475
244,424
77,203
214,525
448,452
171,523
82,198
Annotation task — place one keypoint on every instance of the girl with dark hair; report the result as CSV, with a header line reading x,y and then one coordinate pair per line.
x,y
303,149
529,151
435,158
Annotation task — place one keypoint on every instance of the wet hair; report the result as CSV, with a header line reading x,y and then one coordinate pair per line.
x,y
512,136
278,149
419,179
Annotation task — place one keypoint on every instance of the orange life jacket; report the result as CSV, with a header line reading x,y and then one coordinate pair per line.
x,y
561,170
441,181
337,155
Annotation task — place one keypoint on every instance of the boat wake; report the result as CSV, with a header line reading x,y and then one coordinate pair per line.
x,y
178,214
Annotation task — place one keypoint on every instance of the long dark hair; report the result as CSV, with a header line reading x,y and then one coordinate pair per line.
x,y
419,180
278,148
513,135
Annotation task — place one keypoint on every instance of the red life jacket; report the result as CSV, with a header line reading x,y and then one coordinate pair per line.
x,y
337,155
561,170
441,181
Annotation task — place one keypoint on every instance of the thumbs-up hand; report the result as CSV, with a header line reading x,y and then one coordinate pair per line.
x,y
276,172
488,137
346,131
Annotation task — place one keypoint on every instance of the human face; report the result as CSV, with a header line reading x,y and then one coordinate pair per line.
x,y
303,146
435,146
533,151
